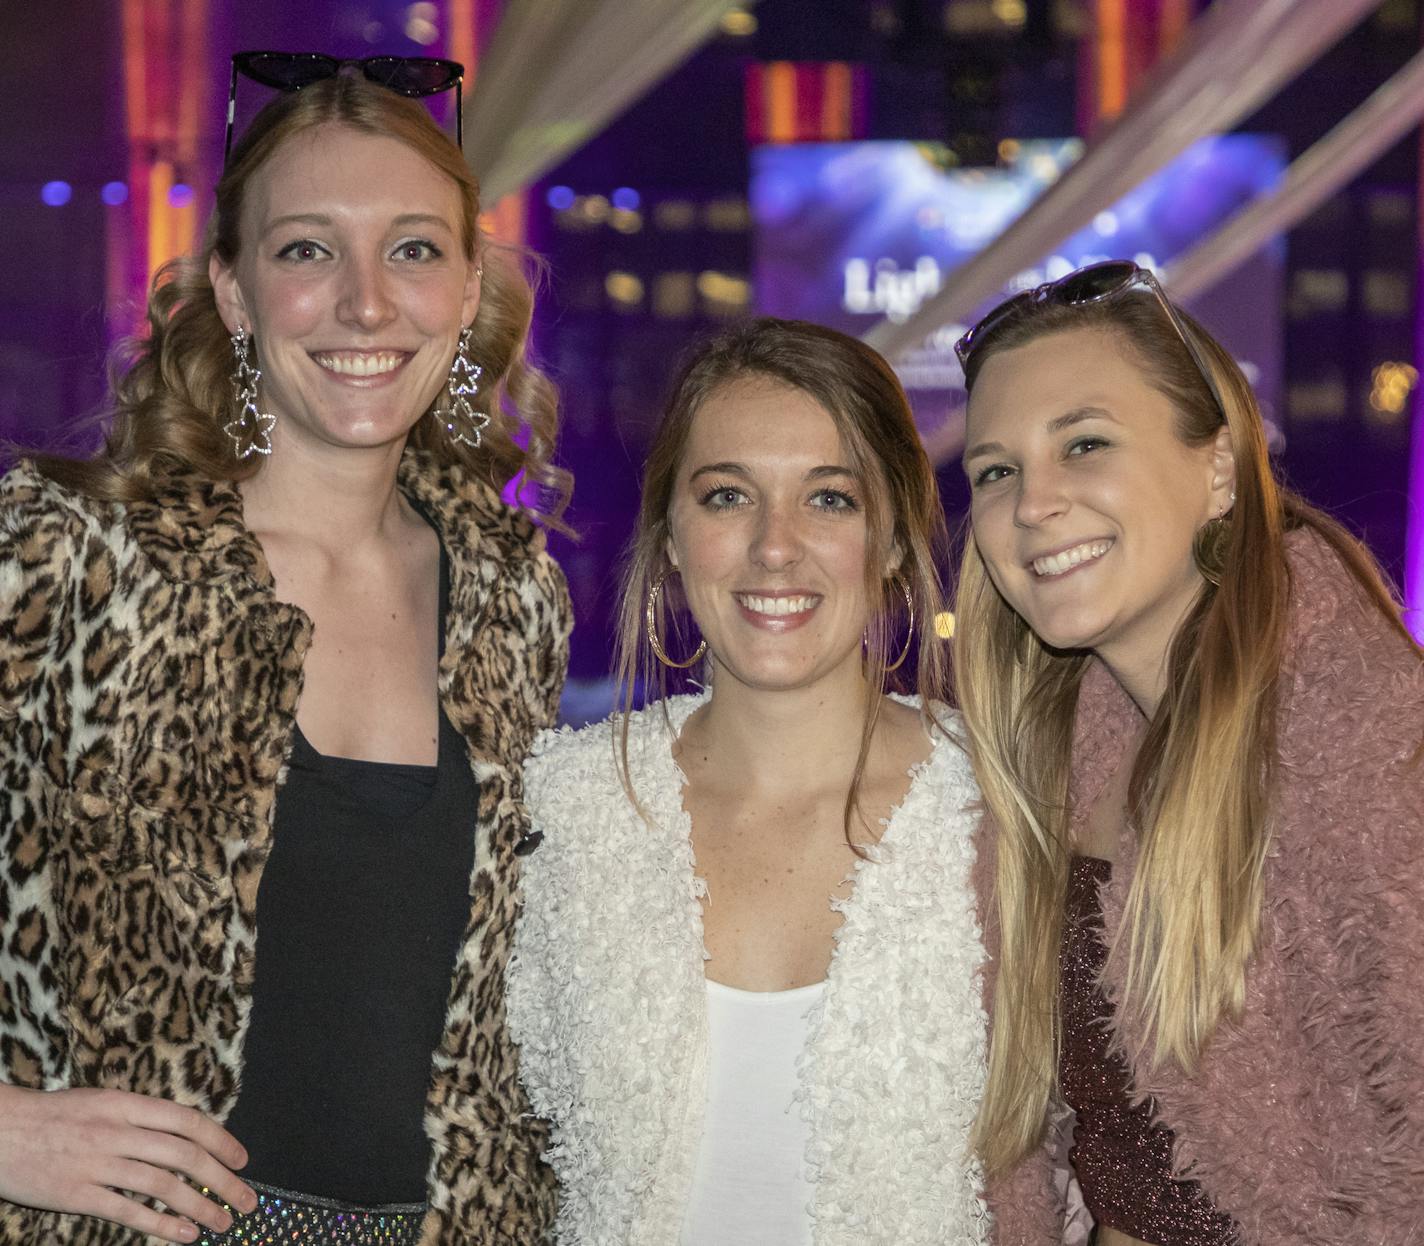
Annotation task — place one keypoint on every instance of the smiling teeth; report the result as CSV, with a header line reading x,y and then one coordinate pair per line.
x,y
1057,564
777,605
361,365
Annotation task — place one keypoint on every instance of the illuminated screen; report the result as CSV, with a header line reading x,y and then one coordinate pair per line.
x,y
849,232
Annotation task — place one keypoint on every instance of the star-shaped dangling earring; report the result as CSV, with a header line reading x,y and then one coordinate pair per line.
x,y
462,423
251,429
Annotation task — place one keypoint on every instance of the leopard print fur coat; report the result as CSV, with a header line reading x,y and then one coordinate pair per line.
x,y
149,681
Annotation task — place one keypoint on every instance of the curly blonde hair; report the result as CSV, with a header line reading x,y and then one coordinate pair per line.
x,y
172,388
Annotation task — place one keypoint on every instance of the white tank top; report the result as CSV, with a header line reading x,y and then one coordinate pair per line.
x,y
749,1186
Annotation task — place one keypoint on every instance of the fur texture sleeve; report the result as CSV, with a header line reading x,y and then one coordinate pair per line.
x,y
1353,741
1304,1119
41,543
47,571
549,614
548,619
38,543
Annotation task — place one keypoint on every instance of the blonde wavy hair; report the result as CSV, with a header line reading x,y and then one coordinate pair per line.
x,y
1200,790
862,395
172,388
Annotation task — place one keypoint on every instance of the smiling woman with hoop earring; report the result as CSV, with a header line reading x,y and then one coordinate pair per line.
x,y
744,980
1198,723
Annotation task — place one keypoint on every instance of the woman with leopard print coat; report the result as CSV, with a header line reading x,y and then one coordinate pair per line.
x,y
225,645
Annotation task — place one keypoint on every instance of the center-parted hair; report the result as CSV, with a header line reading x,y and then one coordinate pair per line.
x,y
905,519
172,389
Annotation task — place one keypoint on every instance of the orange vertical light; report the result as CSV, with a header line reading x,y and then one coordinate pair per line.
x,y
835,102
1112,57
780,96
160,216
193,80
167,92
461,37
162,73
135,76
128,242
506,220
1173,22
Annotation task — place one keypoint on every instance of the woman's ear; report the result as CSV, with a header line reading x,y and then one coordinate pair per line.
x,y
894,561
228,295
1223,472
470,302
670,550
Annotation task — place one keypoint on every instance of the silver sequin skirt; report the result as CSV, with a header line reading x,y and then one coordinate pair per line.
x,y
283,1218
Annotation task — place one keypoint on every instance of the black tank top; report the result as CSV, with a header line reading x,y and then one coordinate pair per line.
x,y
361,910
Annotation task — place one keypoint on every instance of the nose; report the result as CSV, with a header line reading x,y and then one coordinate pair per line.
x,y
363,300
1041,496
776,539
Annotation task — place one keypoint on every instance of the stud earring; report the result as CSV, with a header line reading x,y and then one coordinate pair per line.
x,y
251,429
461,422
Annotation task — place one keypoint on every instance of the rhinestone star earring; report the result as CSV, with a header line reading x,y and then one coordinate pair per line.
x,y
461,422
251,429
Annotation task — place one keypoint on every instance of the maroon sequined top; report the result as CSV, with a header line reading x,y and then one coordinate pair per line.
x,y
1122,1157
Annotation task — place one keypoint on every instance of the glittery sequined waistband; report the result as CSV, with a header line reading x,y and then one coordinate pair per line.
x,y
284,1218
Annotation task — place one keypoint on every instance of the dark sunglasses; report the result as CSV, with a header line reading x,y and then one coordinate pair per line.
x,y
414,76
1093,284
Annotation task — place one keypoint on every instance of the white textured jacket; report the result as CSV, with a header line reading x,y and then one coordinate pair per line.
x,y
607,999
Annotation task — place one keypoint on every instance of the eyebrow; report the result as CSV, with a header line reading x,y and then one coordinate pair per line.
x,y
321,219
740,469
1055,425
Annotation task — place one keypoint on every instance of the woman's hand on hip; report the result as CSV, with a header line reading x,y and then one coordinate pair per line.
x,y
92,1152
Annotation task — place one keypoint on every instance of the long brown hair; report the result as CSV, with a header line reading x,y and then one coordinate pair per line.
x,y
1200,790
860,392
172,391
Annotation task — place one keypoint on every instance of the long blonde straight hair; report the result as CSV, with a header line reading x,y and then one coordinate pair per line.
x,y
1200,790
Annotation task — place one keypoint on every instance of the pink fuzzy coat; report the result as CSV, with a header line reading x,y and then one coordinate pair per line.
x,y
1305,1121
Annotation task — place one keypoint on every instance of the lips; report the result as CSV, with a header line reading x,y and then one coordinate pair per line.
x,y
361,363
779,606
1065,560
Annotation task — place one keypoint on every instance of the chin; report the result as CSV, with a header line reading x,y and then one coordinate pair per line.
x,y
370,435
769,676
1069,636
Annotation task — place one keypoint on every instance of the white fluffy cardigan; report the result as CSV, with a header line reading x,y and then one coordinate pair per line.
x,y
607,999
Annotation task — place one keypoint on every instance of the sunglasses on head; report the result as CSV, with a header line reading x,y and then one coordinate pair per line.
x,y
413,76
1094,284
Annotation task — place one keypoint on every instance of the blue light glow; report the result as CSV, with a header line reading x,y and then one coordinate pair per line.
x,y
627,199
56,194
114,193
560,198
180,195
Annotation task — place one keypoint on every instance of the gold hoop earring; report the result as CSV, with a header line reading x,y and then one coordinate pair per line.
x,y
1212,542
650,621
909,634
